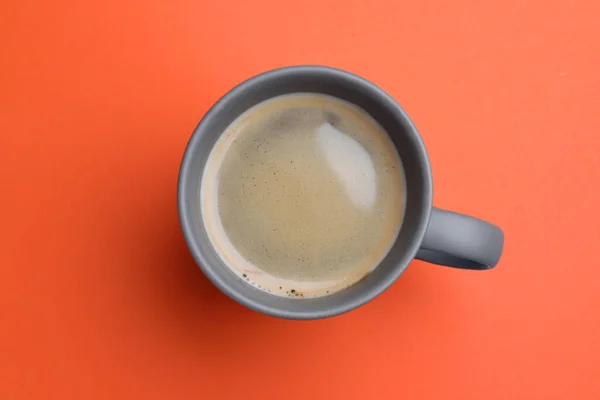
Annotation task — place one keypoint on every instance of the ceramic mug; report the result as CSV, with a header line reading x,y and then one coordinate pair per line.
x,y
427,233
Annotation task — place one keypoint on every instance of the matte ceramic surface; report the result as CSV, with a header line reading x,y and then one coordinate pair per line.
x,y
427,233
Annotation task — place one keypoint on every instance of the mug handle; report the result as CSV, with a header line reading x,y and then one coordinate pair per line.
x,y
459,241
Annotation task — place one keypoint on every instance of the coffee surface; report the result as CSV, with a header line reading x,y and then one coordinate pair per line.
x,y
303,195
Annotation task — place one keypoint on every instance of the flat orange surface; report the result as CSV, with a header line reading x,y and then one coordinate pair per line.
x,y
99,298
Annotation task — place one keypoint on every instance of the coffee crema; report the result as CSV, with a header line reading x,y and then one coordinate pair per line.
x,y
303,195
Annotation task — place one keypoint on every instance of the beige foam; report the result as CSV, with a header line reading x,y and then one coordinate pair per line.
x,y
303,195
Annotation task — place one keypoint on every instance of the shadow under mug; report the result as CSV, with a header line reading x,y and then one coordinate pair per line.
x,y
427,233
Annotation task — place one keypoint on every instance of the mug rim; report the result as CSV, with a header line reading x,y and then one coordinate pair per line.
x,y
185,220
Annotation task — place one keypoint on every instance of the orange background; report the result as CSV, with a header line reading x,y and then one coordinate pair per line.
x,y
99,298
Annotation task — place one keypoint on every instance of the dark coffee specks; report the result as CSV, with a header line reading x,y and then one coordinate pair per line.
x,y
332,118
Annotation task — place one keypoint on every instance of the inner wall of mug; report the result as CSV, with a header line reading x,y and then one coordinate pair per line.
x,y
316,80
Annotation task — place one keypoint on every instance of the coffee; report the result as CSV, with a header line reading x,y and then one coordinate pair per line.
x,y
303,195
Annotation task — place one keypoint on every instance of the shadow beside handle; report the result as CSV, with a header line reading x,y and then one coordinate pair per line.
x,y
460,241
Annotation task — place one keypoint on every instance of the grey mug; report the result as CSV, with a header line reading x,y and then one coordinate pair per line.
x,y
427,233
